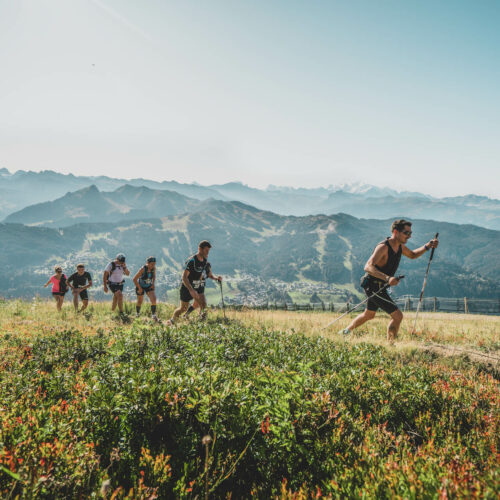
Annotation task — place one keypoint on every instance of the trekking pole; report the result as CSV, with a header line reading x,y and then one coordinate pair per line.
x,y
423,286
361,303
222,297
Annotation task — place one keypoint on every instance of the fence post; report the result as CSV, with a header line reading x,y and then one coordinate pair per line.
x,y
466,309
435,304
348,307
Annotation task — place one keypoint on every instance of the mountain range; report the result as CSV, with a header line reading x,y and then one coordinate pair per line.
x,y
25,188
245,239
91,205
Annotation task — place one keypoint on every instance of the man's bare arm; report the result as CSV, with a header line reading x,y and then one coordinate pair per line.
x,y
377,257
105,280
415,254
216,278
188,285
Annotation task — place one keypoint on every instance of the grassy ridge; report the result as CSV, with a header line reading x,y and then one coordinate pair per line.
x,y
122,409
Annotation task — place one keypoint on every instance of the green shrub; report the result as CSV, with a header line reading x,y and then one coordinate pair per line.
x,y
126,412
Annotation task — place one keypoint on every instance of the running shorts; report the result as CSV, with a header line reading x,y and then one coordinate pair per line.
x,y
186,296
380,301
115,287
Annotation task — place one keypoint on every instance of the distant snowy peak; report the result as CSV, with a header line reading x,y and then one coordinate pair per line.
x,y
369,190
357,188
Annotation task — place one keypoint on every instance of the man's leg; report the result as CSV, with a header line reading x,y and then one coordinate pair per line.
x,y
394,324
75,300
115,301
202,304
362,318
181,309
85,303
191,308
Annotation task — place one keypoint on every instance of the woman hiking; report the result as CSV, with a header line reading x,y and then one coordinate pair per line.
x,y
59,286
145,284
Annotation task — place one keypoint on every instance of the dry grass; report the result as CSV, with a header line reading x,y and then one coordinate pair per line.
x,y
441,332
457,332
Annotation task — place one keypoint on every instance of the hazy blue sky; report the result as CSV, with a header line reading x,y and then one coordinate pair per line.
x,y
397,93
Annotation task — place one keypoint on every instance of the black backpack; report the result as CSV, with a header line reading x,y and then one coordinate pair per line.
x,y
63,284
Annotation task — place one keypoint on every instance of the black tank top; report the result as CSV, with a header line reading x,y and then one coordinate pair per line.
x,y
392,263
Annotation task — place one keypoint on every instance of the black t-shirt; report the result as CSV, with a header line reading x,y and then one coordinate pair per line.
x,y
79,280
198,271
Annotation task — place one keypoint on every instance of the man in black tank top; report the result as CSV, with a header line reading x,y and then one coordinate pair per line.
x,y
380,270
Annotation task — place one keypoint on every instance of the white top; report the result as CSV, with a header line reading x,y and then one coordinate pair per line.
x,y
117,275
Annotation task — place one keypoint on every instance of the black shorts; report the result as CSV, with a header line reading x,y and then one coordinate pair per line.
x,y
186,296
147,290
58,294
380,301
84,295
116,287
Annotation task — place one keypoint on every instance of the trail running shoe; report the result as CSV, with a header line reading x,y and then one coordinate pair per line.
x,y
345,331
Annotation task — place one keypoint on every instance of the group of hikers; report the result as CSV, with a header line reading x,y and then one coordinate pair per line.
x,y
196,272
380,271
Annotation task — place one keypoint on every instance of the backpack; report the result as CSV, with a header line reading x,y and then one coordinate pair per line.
x,y
63,284
145,280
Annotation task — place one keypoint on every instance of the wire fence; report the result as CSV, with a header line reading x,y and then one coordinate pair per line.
x,y
430,304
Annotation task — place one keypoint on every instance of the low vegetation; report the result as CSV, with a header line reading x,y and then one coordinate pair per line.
x,y
91,407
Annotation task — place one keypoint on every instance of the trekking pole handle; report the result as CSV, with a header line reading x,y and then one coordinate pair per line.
x,y
432,251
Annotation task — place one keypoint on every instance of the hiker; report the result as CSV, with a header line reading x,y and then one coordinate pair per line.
x,y
113,277
145,283
196,272
59,286
79,282
380,270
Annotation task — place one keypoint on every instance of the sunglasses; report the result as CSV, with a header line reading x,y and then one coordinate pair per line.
x,y
407,233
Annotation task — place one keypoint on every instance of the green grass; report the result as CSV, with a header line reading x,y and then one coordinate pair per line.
x,y
88,405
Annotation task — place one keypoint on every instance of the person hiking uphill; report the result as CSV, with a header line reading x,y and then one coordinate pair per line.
x,y
79,282
113,277
196,272
59,286
380,270
145,284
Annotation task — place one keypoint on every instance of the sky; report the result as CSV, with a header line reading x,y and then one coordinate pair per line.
x,y
396,93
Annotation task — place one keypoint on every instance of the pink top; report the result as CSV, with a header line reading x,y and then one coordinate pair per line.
x,y
55,283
